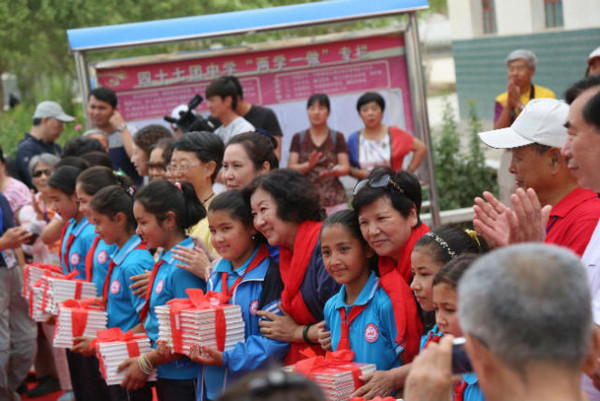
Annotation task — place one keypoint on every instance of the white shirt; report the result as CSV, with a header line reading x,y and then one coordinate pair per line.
x,y
591,261
237,126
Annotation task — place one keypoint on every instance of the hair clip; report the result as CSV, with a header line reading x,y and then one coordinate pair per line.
x,y
442,243
473,234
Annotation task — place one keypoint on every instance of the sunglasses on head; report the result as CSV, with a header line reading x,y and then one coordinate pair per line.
x,y
38,173
383,181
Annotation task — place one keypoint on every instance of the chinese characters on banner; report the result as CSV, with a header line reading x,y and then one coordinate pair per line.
x,y
269,77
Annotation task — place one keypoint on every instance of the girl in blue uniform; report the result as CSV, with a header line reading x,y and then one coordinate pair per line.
x,y
431,252
77,239
445,302
362,316
89,182
164,212
245,275
111,211
78,233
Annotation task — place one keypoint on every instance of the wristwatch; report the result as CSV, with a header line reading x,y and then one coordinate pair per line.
x,y
121,127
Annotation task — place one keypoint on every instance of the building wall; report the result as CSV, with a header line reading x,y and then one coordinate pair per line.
x,y
481,71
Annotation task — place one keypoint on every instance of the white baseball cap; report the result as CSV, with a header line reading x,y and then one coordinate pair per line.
x,y
541,121
52,110
594,54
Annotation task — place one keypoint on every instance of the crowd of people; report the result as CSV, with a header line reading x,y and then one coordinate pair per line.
x,y
149,215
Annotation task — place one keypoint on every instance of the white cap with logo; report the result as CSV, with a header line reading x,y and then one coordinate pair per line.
x,y
52,110
541,121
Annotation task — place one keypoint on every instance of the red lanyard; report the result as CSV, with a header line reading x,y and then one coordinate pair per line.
x,y
65,257
459,390
260,256
89,260
345,335
146,308
106,285
432,337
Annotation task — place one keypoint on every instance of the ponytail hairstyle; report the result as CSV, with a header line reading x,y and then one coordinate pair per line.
x,y
95,178
447,242
160,197
233,203
112,200
452,272
64,179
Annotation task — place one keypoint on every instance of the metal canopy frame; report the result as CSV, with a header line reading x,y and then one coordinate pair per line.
x,y
83,40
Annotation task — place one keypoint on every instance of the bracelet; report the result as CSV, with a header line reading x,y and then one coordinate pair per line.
x,y
145,365
305,334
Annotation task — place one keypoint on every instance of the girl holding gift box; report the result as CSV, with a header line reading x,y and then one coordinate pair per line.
x,y
77,237
164,212
89,182
248,276
363,317
111,211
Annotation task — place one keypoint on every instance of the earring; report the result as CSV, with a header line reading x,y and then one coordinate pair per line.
x,y
253,237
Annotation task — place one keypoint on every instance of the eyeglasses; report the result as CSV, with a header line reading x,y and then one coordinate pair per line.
x,y
173,168
377,182
39,173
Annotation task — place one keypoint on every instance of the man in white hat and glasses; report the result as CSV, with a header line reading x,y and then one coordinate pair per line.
x,y
535,140
48,123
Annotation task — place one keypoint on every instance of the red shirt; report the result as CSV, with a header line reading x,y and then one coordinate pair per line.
x,y
573,220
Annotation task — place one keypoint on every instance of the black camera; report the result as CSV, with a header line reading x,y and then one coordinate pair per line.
x,y
188,121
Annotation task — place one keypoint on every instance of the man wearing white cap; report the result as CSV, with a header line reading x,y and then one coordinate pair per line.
x,y
593,62
48,124
535,140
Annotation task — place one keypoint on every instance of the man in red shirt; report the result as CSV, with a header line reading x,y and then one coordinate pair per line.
x,y
535,140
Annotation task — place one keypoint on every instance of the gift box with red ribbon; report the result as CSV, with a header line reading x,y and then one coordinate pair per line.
x,y
60,289
335,372
33,273
114,347
202,319
78,318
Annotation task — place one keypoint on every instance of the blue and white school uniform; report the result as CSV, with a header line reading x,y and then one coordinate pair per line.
x,y
101,260
122,306
373,332
73,257
257,351
171,282
467,389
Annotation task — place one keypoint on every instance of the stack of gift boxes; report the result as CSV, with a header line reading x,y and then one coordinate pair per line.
x,y
77,319
208,322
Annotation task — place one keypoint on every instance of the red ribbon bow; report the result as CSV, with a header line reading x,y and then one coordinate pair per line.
x,y
116,334
198,300
79,313
338,360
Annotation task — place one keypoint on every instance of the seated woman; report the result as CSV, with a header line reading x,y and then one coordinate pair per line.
x,y
321,154
379,145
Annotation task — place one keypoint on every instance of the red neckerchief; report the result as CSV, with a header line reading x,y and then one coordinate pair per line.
x,y
111,267
406,316
355,311
261,255
459,390
89,259
387,264
65,257
146,308
432,337
293,269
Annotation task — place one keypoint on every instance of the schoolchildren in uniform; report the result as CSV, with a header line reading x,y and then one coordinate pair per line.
x,y
111,211
77,237
164,212
89,182
362,317
244,276
445,303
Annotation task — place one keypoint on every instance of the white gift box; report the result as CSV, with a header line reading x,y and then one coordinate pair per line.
x,y
60,289
63,331
198,327
112,354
